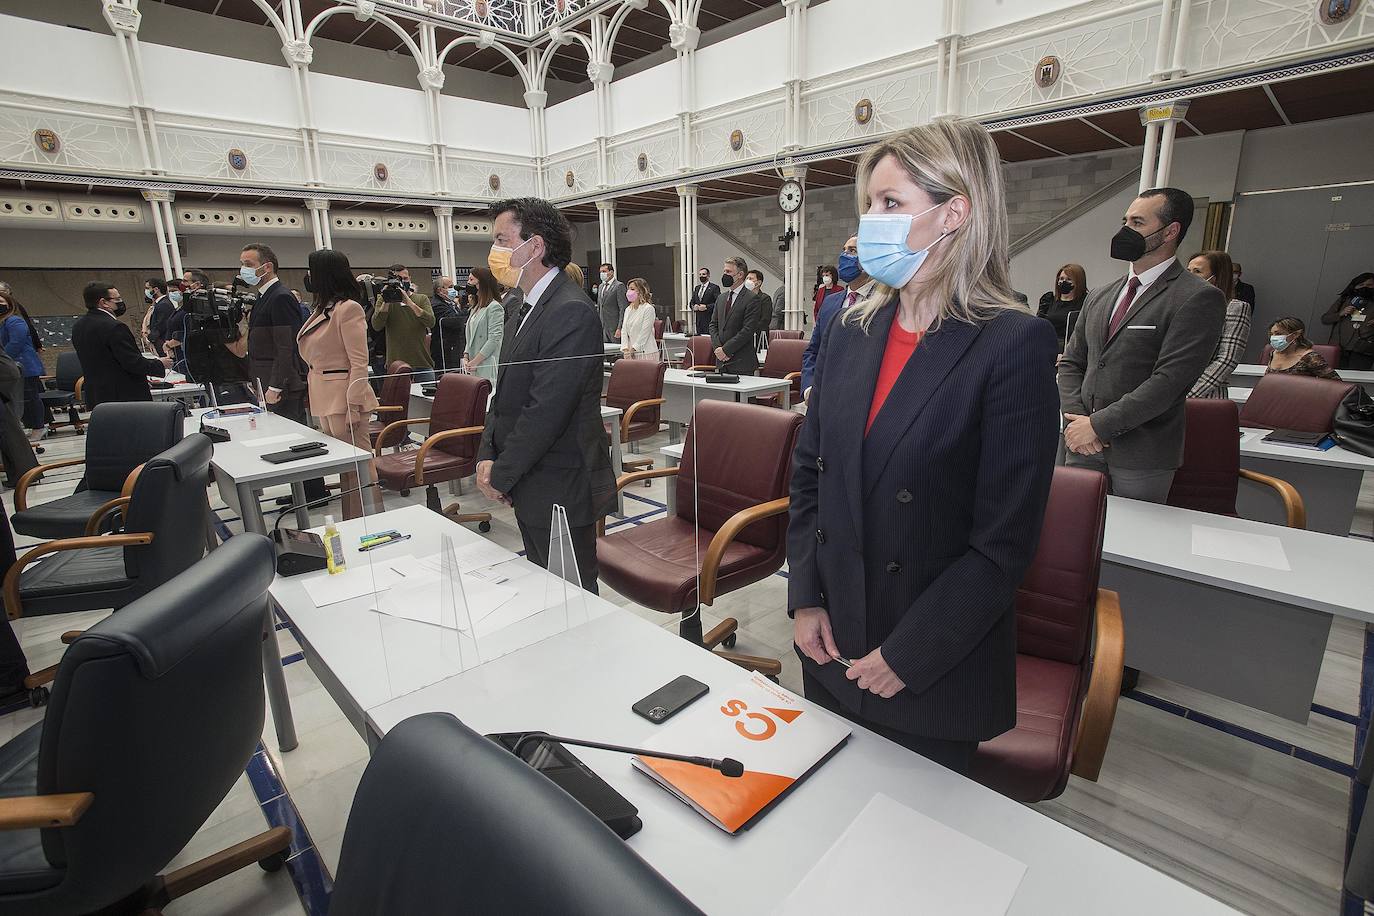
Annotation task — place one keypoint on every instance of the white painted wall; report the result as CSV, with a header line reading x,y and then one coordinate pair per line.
x,y
572,123
1324,152
470,124
53,60
359,108
644,98
981,15
741,66
207,85
846,33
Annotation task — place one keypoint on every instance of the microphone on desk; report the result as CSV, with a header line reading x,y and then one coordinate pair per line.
x,y
726,765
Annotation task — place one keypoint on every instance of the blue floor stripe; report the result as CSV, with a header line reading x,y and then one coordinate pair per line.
x,y
292,658
1254,737
308,872
1350,904
1347,717
646,500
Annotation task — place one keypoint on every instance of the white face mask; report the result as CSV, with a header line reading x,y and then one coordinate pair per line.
x,y
249,275
751,285
605,277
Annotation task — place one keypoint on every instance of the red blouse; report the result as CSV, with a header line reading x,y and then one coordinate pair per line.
x,y
901,343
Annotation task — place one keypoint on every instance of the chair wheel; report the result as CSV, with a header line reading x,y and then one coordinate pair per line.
x,y
484,527
38,697
273,862
729,641
405,492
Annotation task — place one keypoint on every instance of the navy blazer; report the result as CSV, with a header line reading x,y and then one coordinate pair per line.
x,y
916,536
831,306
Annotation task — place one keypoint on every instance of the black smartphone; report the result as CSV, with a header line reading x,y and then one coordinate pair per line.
x,y
307,446
670,699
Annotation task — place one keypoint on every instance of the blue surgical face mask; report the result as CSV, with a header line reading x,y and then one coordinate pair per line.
x,y
848,267
175,297
248,275
883,249
1279,342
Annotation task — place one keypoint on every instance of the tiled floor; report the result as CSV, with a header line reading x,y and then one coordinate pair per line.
x,y
1258,828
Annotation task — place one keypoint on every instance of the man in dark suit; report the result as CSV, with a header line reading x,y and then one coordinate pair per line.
x,y
753,281
611,302
1244,291
736,321
703,302
544,444
159,310
855,292
1139,345
274,358
114,368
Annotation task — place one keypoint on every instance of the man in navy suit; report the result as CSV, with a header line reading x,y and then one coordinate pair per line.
x,y
858,290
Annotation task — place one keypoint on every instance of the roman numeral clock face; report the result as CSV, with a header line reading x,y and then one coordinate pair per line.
x,y
790,196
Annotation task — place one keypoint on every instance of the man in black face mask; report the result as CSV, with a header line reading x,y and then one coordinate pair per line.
x,y
1137,347
114,368
704,296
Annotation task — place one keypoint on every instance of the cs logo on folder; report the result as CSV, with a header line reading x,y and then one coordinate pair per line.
x,y
767,724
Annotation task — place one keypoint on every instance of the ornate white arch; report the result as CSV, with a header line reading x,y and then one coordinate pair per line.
x,y
276,20
487,40
379,17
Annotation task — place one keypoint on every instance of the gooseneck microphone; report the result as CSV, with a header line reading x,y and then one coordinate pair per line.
x,y
726,765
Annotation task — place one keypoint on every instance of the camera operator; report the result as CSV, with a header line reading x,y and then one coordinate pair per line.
x,y
448,338
406,317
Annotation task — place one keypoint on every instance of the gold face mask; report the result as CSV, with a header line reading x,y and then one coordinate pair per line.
x,y
499,262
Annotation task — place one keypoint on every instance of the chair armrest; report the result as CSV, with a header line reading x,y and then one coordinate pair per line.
x,y
11,584
434,440
388,408
130,482
1292,500
632,409
29,811
626,479
76,392
98,516
791,376
1104,687
768,667
396,424
21,489
701,368
710,564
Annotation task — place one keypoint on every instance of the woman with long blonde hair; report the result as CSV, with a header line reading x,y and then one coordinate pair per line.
x,y
920,478
637,326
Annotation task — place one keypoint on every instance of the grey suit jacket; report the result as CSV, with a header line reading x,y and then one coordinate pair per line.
x,y
611,303
736,330
1133,386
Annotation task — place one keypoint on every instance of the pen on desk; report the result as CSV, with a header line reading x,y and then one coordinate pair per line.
x,y
374,546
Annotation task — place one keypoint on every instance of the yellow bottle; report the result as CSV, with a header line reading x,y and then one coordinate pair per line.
x,y
333,546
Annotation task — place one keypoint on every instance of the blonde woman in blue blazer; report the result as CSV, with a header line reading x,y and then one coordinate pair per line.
x,y
486,326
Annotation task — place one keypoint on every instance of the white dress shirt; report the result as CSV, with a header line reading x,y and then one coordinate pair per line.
x,y
1147,278
534,295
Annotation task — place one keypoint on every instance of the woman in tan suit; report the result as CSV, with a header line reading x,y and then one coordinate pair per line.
x,y
333,343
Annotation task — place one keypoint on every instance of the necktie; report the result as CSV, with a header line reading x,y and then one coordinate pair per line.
x,y
850,299
520,319
1119,315
729,301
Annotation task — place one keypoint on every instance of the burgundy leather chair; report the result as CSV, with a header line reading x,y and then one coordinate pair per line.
x,y
1209,478
783,335
1296,402
1069,650
1329,352
784,360
395,405
450,450
658,333
732,499
699,354
636,387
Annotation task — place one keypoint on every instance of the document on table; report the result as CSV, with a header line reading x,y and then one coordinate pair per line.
x,y
471,557
1240,547
422,599
272,440
363,578
941,871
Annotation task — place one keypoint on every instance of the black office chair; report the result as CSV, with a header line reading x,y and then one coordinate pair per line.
x,y
123,435
446,821
164,534
155,713
62,391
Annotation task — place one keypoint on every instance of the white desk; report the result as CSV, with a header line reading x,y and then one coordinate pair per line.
x,y
682,392
674,345
1252,634
180,391
1328,481
583,682
242,475
421,404
1248,376
672,457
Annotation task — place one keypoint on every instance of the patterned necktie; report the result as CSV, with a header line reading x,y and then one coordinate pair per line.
x,y
729,301
520,319
850,299
1120,314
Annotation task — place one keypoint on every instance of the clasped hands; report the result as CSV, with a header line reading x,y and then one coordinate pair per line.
x,y
1080,437
811,632
484,483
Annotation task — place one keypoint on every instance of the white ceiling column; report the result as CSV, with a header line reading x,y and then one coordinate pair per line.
x,y
124,19
687,249
684,37
537,102
796,69
431,78
447,260
319,220
164,223
605,211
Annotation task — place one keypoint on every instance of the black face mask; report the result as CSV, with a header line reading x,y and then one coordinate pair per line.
x,y
306,283
727,281
1129,245
120,307
1065,287
703,280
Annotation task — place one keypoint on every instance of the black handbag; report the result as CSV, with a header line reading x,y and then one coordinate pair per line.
x,y
1353,427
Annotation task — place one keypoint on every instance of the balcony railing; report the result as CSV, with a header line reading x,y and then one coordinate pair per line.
x,y
526,18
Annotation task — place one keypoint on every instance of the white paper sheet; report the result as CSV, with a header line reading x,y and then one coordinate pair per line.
x,y
892,859
362,578
421,599
1240,547
471,557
